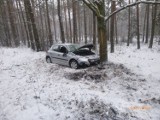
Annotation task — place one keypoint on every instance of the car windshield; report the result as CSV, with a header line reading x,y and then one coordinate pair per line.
x,y
73,47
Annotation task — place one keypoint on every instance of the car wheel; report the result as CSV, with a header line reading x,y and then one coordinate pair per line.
x,y
48,59
74,64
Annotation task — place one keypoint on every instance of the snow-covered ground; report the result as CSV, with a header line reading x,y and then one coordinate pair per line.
x,y
129,87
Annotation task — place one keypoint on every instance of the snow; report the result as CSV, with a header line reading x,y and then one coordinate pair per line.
x,y
31,89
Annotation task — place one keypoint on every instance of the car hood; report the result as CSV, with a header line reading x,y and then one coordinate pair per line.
x,y
89,46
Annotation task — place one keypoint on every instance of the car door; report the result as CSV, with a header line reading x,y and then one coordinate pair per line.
x,y
54,53
63,56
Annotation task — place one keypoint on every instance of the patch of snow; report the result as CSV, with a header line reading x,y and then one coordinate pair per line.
x,y
31,89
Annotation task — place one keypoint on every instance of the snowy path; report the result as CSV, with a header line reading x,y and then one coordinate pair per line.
x,y
31,89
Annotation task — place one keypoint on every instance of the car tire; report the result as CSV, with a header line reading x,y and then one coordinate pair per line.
x,y
73,64
48,60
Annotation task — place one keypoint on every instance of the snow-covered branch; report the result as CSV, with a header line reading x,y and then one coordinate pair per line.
x,y
130,5
93,7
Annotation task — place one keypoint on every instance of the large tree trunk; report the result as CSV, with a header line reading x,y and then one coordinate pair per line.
x,y
60,22
112,26
129,25
7,37
138,38
79,22
85,24
12,22
28,22
69,17
74,21
42,40
94,30
101,24
66,21
54,22
49,25
102,33
147,27
25,25
30,17
154,13
144,24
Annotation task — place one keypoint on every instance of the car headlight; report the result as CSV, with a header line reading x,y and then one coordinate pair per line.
x,y
83,59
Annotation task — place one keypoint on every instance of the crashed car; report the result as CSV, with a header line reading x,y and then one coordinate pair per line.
x,y
72,55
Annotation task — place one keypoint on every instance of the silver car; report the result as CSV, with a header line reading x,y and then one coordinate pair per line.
x,y
72,55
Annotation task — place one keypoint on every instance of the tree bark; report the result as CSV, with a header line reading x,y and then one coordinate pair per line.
x,y
85,24
99,10
154,13
12,21
49,25
30,17
147,27
144,25
138,38
112,26
69,17
74,21
60,22
129,25
94,30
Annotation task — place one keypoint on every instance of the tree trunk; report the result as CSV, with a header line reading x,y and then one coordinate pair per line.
x,y
25,25
129,25
60,22
100,13
66,21
12,21
94,31
138,38
54,23
154,13
74,21
102,33
30,17
147,27
7,39
116,31
112,26
85,24
69,17
49,25
144,25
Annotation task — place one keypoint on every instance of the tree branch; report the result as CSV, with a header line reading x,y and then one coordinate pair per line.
x,y
93,7
130,5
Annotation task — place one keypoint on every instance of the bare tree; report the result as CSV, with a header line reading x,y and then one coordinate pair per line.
x,y
112,25
85,24
75,39
137,15
30,18
147,25
12,22
154,13
49,25
129,25
60,22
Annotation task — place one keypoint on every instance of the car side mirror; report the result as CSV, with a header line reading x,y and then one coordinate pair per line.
x,y
65,54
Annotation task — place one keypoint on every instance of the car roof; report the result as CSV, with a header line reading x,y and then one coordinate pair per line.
x,y
65,44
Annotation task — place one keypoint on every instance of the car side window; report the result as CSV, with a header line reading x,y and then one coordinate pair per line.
x,y
55,48
62,49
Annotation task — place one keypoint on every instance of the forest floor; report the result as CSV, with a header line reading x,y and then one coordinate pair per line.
x,y
127,89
